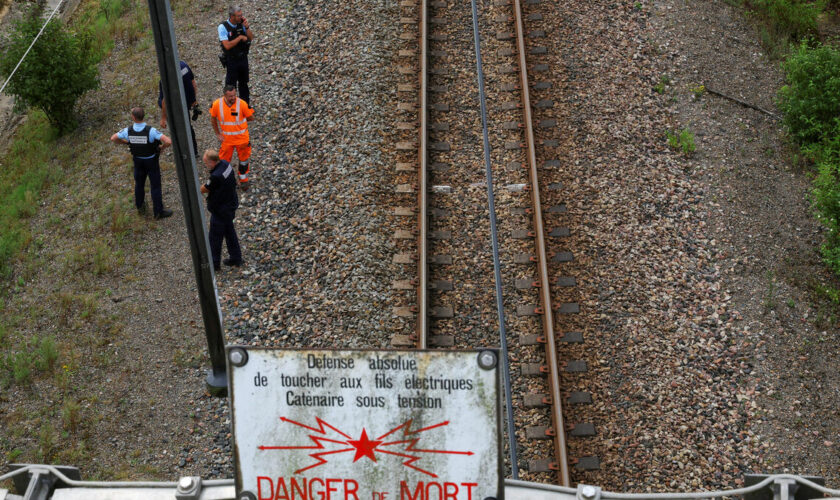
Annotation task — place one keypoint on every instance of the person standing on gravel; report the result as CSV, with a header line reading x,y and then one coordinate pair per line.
x,y
190,91
222,203
229,116
235,38
145,144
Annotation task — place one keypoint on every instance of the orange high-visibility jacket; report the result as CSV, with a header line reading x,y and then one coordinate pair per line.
x,y
232,120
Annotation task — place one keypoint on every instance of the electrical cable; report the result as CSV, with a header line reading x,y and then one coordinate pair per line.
x,y
494,238
30,46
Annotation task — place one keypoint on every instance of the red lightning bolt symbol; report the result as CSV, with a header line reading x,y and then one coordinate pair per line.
x,y
406,432
411,442
317,440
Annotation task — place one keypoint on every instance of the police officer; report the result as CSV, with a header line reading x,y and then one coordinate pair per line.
x,y
222,203
145,144
235,37
190,91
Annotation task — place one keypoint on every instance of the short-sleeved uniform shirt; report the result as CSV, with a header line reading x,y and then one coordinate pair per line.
x,y
154,135
244,110
223,32
187,77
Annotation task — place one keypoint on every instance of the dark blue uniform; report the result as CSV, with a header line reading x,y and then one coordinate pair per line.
x,y
237,59
222,202
144,145
189,93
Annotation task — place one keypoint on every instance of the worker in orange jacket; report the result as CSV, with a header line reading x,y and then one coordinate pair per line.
x,y
230,116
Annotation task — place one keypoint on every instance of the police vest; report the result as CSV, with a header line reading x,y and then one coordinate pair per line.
x,y
140,143
241,49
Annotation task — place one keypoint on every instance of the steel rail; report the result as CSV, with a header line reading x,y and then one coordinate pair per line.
x,y
422,324
542,261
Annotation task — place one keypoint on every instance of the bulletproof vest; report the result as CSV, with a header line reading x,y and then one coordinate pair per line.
x,y
139,143
241,49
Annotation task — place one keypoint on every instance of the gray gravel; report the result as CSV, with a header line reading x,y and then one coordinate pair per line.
x,y
315,269
322,76
678,402
669,362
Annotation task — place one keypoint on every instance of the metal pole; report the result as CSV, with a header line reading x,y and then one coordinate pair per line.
x,y
191,199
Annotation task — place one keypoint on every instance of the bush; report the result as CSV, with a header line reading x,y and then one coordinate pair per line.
x,y
811,104
58,70
826,202
682,140
794,18
810,100
47,354
786,21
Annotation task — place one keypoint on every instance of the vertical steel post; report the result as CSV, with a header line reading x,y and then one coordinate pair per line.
x,y
191,199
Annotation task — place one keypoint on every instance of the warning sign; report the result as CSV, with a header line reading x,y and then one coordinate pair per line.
x,y
365,425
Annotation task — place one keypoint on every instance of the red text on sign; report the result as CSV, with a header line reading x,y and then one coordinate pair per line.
x,y
433,490
302,488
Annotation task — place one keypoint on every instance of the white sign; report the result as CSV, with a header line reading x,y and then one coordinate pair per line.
x,y
365,425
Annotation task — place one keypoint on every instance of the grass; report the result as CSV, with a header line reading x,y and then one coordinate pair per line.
x,y
827,303
46,354
25,171
71,415
68,230
114,20
769,302
39,357
780,23
663,82
28,167
681,140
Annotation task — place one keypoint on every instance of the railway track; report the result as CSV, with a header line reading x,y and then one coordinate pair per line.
x,y
445,253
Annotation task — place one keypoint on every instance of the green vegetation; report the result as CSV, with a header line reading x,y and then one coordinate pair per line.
x,y
27,168
39,357
810,101
664,81
682,140
25,172
782,22
787,21
769,302
111,20
71,415
58,70
67,225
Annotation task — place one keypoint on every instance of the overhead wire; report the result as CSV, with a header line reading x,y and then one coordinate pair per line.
x,y
31,45
494,239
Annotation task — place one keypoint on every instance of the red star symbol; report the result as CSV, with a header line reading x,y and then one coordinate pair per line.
x,y
364,446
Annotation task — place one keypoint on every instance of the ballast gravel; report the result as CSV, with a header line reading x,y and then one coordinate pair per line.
x,y
314,224
672,365
669,358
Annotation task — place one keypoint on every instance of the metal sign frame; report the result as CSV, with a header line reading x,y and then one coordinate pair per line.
x,y
239,356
